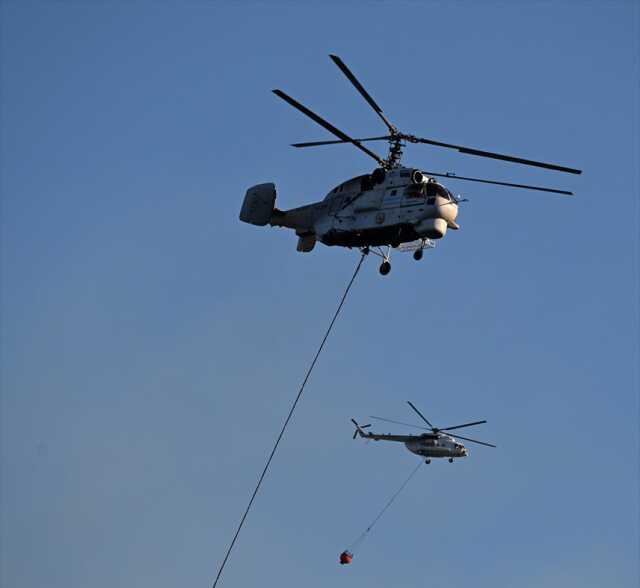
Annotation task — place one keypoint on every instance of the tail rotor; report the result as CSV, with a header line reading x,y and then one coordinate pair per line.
x,y
359,429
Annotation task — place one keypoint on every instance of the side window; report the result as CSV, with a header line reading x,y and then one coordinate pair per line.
x,y
366,183
414,191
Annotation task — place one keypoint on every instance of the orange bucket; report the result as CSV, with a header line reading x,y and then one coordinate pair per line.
x,y
346,557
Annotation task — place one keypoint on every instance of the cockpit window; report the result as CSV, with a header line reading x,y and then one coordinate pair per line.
x,y
435,189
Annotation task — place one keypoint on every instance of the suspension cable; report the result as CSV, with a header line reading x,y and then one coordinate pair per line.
x,y
384,508
286,422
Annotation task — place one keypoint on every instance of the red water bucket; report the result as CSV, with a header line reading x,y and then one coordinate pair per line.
x,y
346,558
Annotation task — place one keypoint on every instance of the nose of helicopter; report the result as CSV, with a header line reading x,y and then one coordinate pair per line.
x,y
434,226
448,210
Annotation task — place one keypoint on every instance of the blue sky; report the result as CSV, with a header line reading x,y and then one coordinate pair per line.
x,y
152,343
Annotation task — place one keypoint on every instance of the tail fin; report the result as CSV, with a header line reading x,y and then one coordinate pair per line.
x,y
259,204
359,429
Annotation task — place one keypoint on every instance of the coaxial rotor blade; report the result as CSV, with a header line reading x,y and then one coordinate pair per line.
x,y
347,72
399,423
481,153
472,440
508,184
461,426
421,415
323,123
316,143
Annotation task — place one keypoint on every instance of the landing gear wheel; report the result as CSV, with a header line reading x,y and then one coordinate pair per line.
x,y
385,268
417,254
427,461
451,460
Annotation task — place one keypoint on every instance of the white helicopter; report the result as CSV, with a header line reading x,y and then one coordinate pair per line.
x,y
428,445
394,206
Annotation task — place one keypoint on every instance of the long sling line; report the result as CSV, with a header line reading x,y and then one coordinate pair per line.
x,y
286,422
386,506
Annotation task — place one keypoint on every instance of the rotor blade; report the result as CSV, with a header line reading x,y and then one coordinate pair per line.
x,y
316,143
480,153
355,433
524,186
323,123
399,423
420,414
461,426
347,72
472,440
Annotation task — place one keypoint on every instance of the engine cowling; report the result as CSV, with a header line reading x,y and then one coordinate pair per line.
x,y
417,177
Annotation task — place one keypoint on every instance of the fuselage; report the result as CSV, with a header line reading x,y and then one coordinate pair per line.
x,y
426,445
437,446
383,208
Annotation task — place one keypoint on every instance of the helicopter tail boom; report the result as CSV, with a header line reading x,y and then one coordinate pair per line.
x,y
258,208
